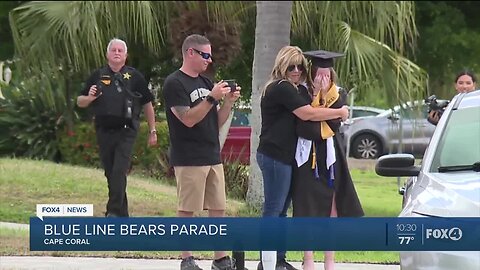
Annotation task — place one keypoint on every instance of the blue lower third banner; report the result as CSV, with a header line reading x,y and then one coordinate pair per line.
x,y
176,234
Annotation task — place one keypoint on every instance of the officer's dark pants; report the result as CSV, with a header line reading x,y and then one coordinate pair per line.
x,y
115,152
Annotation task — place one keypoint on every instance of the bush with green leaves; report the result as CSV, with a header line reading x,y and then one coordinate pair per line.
x,y
236,179
152,160
80,148
30,116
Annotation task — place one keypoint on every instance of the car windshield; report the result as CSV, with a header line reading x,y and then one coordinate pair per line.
x,y
459,143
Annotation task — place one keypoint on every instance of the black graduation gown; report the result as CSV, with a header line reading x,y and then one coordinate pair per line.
x,y
312,197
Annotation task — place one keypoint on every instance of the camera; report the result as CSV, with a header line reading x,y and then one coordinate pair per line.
x,y
232,84
435,105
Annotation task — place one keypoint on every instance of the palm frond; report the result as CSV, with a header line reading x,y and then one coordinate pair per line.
x,y
370,60
75,33
373,34
390,22
222,11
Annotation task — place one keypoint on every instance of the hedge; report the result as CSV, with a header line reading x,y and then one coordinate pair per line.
x,y
79,147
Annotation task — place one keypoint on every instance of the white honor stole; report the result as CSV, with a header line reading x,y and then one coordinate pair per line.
x,y
303,151
331,159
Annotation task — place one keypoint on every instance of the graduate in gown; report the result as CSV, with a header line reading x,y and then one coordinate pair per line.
x,y
322,185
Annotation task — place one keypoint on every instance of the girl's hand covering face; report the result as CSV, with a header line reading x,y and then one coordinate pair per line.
x,y
322,82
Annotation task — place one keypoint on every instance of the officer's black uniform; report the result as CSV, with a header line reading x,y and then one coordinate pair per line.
x,y
117,114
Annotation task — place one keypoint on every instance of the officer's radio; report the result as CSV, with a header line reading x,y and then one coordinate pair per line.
x,y
104,79
128,108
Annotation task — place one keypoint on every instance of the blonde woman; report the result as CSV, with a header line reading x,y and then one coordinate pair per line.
x,y
281,104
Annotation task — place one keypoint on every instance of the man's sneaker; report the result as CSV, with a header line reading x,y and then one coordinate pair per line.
x,y
225,263
189,264
285,264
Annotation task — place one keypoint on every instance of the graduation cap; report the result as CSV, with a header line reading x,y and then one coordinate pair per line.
x,y
321,58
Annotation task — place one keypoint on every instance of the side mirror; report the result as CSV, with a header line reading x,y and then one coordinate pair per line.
x,y
397,165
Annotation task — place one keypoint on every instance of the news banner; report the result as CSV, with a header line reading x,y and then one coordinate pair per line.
x,y
72,227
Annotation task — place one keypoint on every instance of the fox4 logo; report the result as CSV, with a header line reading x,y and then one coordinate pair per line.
x,y
454,233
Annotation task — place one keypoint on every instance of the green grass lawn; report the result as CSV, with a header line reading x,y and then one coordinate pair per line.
x,y
25,183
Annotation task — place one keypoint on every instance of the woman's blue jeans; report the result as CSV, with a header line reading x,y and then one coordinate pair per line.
x,y
277,177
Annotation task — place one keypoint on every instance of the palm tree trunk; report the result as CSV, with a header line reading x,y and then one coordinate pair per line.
x,y
272,32
70,106
223,133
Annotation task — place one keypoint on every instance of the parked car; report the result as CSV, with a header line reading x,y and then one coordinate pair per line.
x,y
446,184
237,144
363,111
371,137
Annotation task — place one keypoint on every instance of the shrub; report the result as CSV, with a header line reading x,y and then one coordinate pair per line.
x,y
80,148
31,113
236,179
152,160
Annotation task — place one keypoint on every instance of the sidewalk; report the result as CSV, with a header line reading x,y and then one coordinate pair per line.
x,y
87,263
19,226
83,263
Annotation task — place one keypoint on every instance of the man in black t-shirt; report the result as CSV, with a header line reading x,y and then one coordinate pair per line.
x,y
194,120
116,94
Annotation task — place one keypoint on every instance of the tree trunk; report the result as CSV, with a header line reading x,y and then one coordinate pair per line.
x,y
224,129
1,79
70,106
272,32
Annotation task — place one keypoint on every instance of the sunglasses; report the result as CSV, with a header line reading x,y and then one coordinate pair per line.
x,y
292,68
204,55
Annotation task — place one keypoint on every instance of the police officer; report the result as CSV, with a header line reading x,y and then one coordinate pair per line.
x,y
116,94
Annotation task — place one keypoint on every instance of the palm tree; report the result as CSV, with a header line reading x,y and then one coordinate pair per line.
x,y
373,35
272,32
75,33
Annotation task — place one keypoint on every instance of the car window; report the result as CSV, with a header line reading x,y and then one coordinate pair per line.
x,y
459,143
241,119
362,113
416,112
